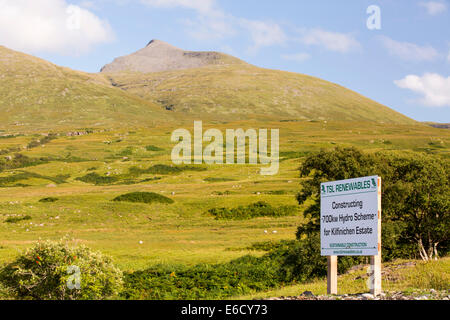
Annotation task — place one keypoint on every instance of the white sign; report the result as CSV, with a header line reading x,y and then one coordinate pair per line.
x,y
350,213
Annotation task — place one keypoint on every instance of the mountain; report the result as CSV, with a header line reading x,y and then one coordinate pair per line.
x,y
438,125
217,86
38,95
160,56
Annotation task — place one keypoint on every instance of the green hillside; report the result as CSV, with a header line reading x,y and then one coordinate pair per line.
x,y
54,186
38,95
237,92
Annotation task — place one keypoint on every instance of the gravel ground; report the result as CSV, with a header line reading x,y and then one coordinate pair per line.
x,y
393,295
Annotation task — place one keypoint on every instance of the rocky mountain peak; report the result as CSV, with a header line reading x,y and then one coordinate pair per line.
x,y
158,56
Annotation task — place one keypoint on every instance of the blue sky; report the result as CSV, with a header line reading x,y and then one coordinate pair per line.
x,y
404,65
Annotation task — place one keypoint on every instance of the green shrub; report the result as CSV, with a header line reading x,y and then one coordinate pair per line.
x,y
42,272
166,282
222,193
255,210
49,199
268,245
274,192
17,219
149,179
44,140
287,155
126,152
153,148
24,175
288,262
97,179
5,293
10,136
164,169
213,179
301,260
144,197
21,161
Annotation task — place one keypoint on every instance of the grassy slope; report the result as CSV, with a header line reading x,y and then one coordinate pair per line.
x,y
418,279
37,95
177,233
233,92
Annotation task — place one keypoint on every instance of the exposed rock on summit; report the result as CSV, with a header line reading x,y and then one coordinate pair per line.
x,y
160,56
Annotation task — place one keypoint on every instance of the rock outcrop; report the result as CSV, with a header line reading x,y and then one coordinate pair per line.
x,y
160,56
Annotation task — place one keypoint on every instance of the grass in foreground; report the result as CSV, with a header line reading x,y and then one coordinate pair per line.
x,y
402,275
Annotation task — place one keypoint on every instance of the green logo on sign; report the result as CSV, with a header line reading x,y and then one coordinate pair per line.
x,y
323,189
374,183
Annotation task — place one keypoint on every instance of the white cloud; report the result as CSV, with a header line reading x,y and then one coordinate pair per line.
x,y
433,7
50,26
332,41
213,23
434,88
210,22
263,33
88,4
297,57
409,51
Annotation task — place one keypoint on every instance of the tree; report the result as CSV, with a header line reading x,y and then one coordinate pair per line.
x,y
418,195
339,164
415,197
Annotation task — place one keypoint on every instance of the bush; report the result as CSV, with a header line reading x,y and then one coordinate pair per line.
x,y
126,152
301,260
166,282
269,245
276,192
97,179
21,161
255,210
24,175
287,263
42,272
49,199
44,140
153,148
213,179
164,169
17,219
144,197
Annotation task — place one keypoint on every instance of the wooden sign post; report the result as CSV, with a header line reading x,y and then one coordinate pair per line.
x,y
332,275
350,225
375,261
